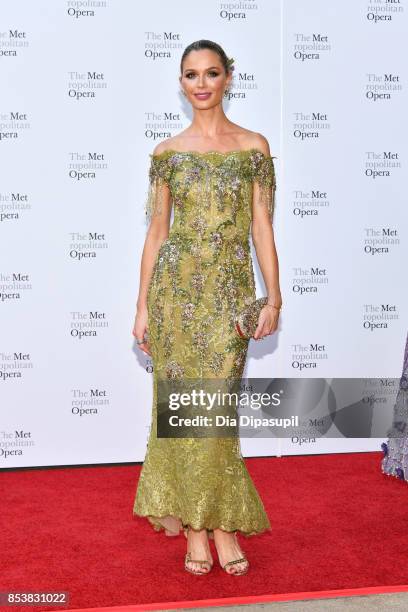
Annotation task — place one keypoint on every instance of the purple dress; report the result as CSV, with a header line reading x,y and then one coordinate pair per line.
x,y
395,460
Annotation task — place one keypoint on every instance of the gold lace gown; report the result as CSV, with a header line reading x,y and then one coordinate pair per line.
x,y
202,274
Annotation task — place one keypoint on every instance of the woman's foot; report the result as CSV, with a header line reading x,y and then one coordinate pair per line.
x,y
228,550
198,548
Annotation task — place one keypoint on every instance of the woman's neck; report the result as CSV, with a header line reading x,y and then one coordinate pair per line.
x,y
210,123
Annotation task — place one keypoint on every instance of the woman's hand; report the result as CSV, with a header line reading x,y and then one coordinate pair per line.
x,y
267,322
140,328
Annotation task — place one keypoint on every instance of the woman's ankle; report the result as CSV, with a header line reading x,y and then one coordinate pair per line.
x,y
223,533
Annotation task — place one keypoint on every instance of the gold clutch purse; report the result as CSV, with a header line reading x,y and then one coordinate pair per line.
x,y
246,321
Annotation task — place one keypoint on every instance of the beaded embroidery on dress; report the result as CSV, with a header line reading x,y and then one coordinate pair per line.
x,y
202,275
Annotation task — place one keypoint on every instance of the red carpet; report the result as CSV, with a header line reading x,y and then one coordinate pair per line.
x,y
338,523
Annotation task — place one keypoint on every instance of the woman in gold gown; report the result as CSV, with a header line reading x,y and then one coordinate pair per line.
x,y
220,179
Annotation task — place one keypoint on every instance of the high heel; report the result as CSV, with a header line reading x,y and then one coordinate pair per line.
x,y
202,562
242,559
240,572
188,559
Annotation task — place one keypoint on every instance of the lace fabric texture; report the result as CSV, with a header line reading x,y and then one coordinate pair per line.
x,y
202,276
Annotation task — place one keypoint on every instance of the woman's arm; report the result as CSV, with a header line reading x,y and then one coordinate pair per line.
x,y
158,210
264,243
158,231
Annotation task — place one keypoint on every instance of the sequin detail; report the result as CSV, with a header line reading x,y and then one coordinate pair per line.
x,y
395,459
202,276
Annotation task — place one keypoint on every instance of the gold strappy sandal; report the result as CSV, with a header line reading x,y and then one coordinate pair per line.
x,y
188,559
242,559
240,573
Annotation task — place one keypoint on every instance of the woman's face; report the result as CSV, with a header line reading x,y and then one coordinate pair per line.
x,y
204,79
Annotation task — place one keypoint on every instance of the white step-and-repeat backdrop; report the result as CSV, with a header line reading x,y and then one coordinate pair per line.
x,y
88,88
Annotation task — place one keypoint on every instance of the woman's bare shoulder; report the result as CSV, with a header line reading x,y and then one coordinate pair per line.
x,y
255,140
169,144
163,146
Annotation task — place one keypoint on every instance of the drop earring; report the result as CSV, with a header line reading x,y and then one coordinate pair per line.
x,y
183,92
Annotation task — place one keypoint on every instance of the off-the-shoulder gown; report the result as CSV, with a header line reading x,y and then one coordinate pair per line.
x,y
203,273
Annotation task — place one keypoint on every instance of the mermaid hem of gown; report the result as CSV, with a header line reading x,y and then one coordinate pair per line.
x,y
173,524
